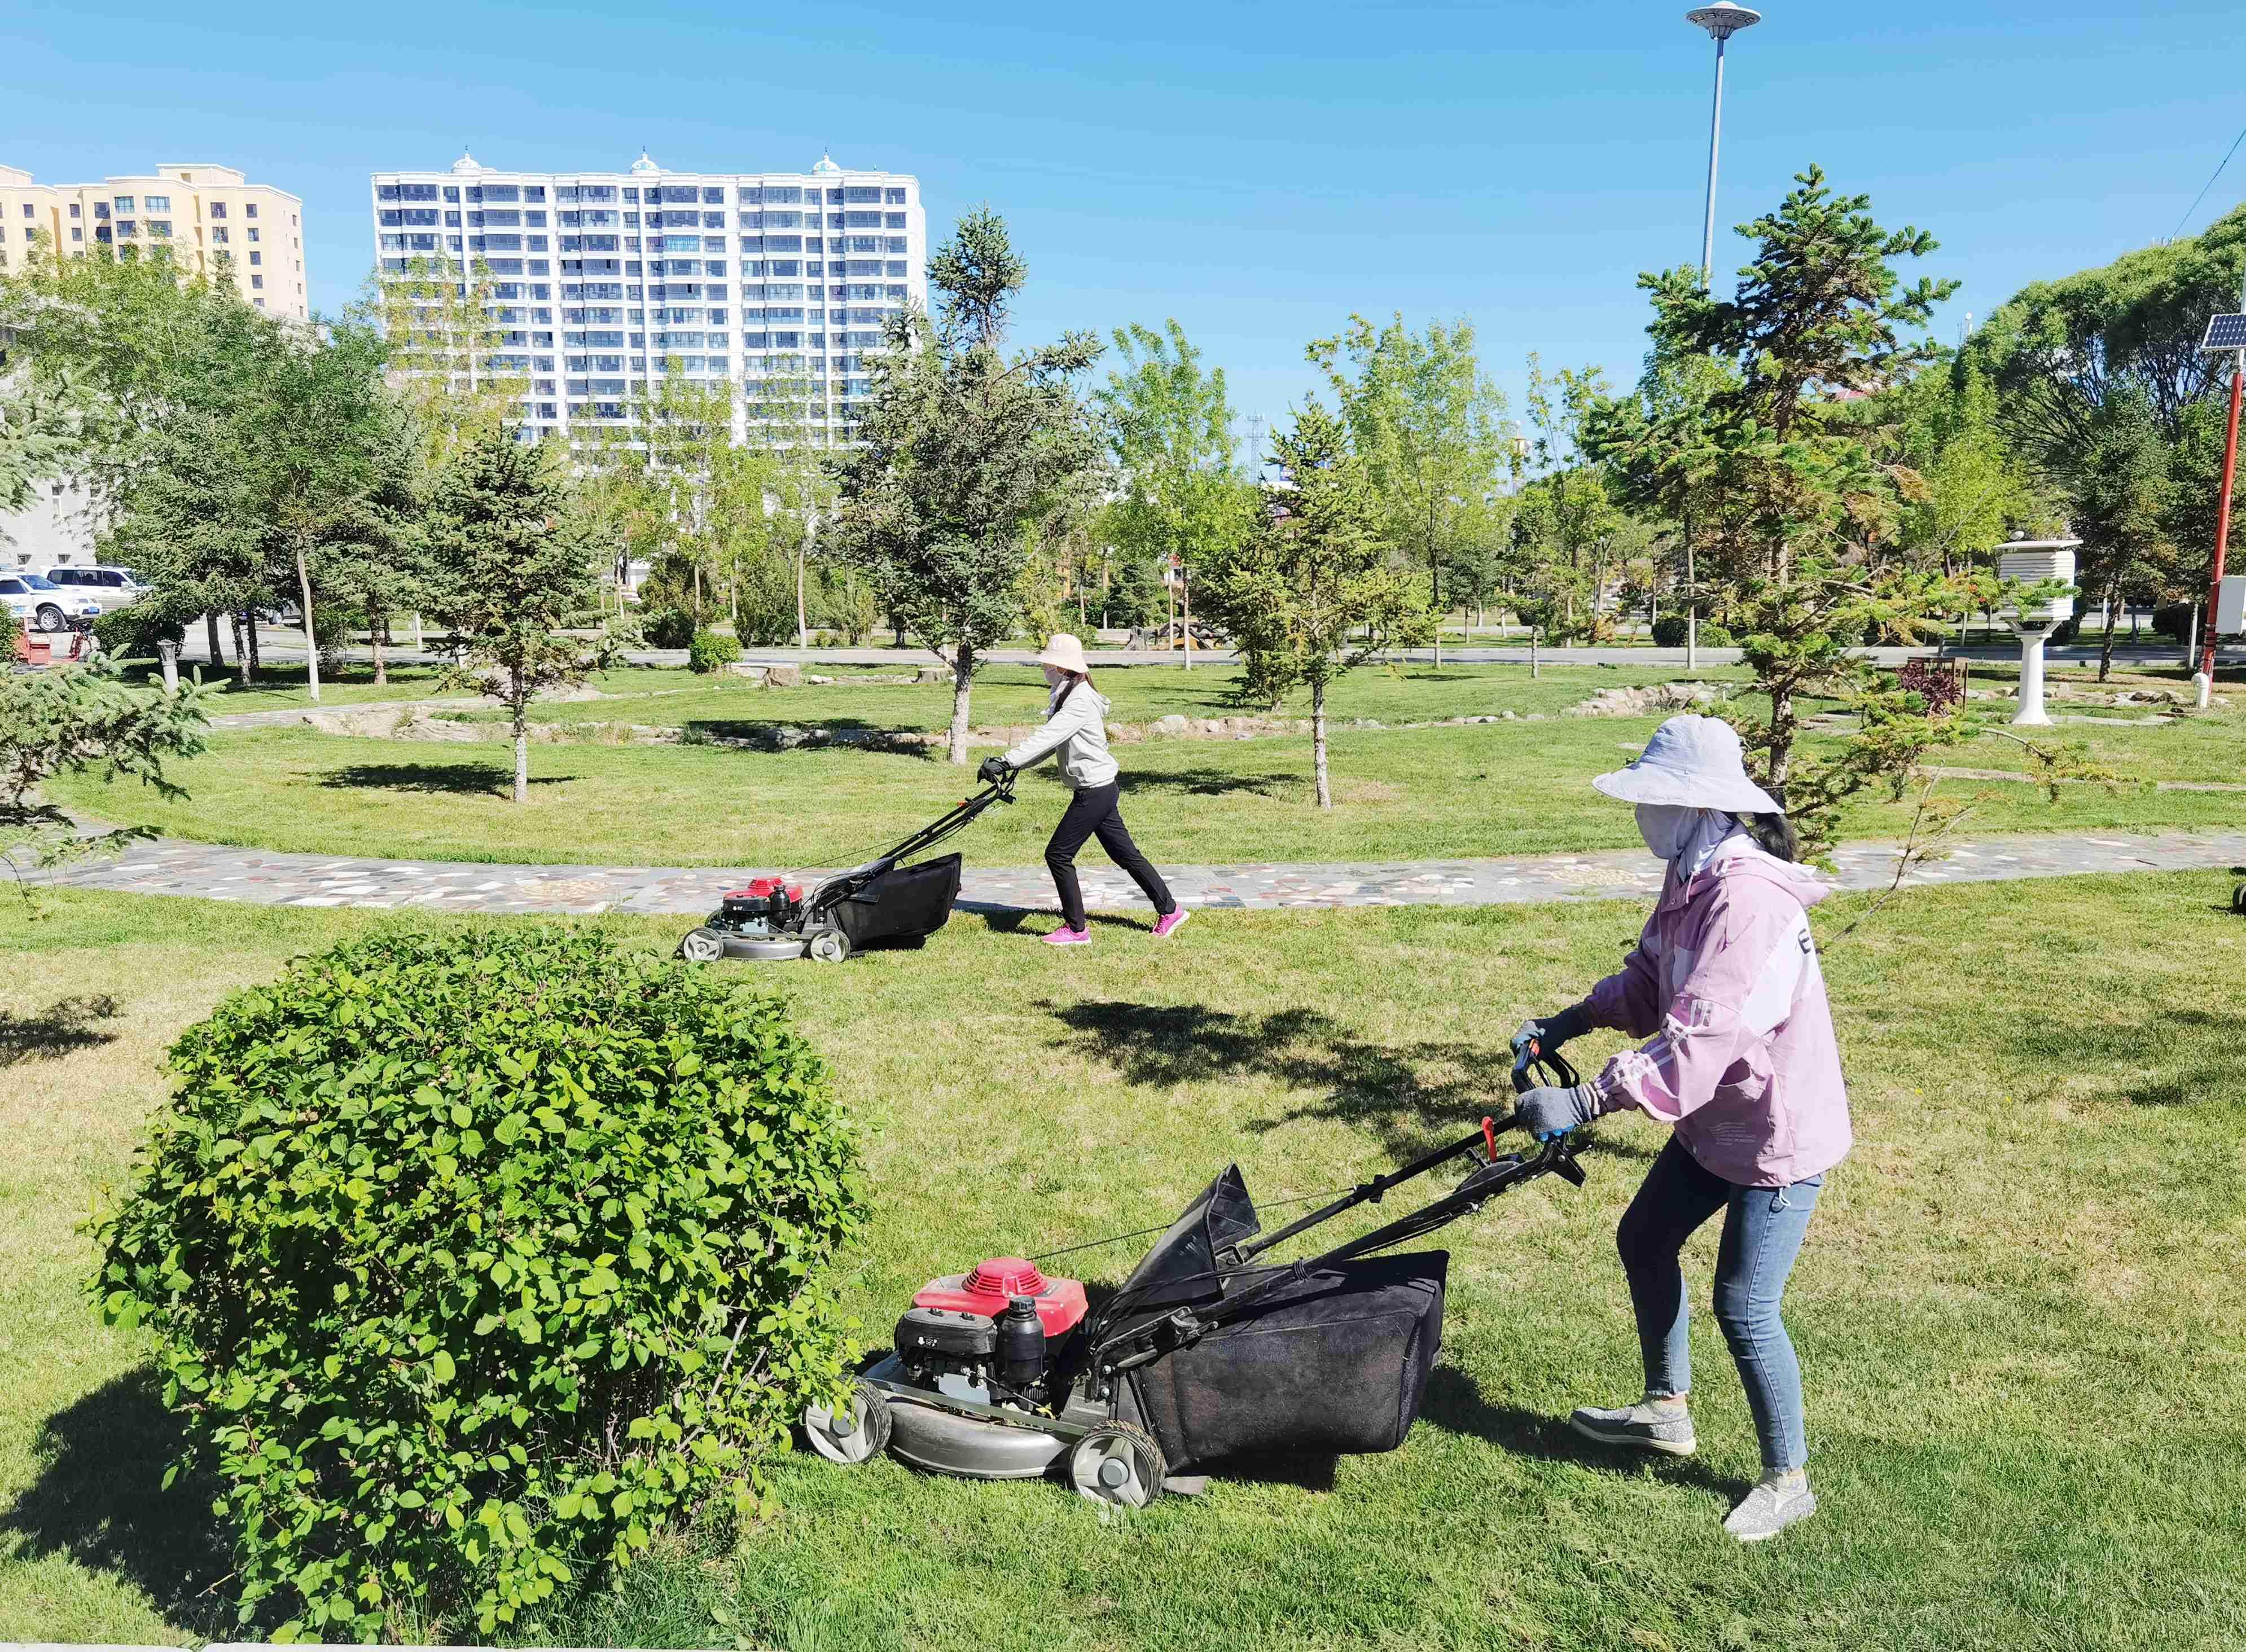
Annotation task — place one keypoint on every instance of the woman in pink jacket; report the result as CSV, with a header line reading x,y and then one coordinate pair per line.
x,y
1740,1061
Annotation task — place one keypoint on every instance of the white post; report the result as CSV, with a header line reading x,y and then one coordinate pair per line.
x,y
168,652
2031,713
1715,140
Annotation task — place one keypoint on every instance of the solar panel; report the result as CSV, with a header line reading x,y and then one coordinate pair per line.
x,y
2226,332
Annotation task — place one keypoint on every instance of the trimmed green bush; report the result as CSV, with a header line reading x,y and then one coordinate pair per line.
x,y
710,652
472,1259
1669,633
668,628
132,633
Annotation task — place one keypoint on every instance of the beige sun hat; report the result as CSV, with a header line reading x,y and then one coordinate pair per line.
x,y
1064,653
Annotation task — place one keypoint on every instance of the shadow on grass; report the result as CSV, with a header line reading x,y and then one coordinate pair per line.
x,y
1412,1097
2140,1057
1210,783
63,1026
100,1499
468,778
1456,1404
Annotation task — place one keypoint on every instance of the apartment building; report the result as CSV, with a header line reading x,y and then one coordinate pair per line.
x,y
603,283
210,219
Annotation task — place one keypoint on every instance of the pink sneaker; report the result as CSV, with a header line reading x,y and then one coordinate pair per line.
x,y
1065,936
1167,923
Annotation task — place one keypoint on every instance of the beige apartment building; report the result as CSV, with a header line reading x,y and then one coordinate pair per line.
x,y
208,217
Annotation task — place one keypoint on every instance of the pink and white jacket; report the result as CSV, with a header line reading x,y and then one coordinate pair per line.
x,y
1740,1055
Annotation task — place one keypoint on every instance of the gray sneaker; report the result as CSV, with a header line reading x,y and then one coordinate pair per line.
x,y
1644,1427
1769,1509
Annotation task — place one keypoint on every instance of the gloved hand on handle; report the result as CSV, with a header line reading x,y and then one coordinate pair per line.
x,y
993,771
1551,1112
1547,1033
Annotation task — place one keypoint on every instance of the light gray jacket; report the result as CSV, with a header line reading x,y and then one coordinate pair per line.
x,y
1075,729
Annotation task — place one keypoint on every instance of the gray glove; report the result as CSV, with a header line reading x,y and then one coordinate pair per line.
x,y
1550,1113
1549,1032
993,771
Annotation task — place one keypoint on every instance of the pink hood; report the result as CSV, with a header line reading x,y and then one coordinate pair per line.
x,y
1740,1055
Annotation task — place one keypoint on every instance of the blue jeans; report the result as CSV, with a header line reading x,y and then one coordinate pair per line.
x,y
1762,1235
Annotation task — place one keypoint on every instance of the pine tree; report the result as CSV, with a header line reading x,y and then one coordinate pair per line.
x,y
509,561
963,454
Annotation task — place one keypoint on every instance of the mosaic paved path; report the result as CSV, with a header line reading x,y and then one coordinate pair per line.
x,y
265,879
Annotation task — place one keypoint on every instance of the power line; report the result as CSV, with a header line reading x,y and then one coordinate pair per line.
x,y
2209,185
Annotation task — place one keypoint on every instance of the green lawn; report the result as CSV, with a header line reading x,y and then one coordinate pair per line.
x,y
2017,1310
1489,789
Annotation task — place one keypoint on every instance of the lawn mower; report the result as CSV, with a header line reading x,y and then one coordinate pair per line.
x,y
1204,1357
772,918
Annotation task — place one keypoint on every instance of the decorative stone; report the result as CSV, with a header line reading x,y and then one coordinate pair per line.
x,y
1173,724
743,668
784,676
933,674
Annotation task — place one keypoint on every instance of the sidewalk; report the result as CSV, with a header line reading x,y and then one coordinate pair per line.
x,y
261,878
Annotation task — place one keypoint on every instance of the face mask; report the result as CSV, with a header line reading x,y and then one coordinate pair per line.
x,y
1666,828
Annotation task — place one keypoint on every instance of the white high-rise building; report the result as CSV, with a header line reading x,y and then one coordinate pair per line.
x,y
604,281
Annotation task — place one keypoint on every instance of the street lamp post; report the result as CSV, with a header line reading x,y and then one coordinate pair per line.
x,y
1722,21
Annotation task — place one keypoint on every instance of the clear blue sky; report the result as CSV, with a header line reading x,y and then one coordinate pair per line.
x,y
1258,172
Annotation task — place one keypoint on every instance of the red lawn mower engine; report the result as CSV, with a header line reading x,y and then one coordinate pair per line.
x,y
1003,1329
767,905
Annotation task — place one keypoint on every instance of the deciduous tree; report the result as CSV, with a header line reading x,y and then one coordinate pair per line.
x,y
1429,424
1311,592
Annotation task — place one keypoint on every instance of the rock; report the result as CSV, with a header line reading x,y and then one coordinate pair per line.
x,y
378,725
817,682
1642,702
1510,716
784,676
743,668
1173,724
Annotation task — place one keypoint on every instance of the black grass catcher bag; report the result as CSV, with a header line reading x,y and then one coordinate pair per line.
x,y
1334,1361
905,903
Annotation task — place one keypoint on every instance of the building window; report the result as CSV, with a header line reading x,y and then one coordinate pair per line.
x,y
249,210
76,233
74,206
895,197
257,258
128,228
253,234
257,281
124,204
160,228
160,203
28,213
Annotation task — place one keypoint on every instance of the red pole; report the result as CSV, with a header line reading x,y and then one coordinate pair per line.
x,y
2222,521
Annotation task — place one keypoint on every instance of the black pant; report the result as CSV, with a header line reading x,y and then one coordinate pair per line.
x,y
1097,812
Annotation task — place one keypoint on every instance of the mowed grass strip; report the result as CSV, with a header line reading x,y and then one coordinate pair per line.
x,y
1493,789
2017,1309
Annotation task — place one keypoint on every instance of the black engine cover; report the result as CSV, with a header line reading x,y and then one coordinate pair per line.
x,y
948,1333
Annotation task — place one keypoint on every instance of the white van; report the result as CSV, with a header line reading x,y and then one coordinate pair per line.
x,y
113,587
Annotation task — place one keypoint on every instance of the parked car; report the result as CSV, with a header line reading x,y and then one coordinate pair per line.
x,y
113,587
41,605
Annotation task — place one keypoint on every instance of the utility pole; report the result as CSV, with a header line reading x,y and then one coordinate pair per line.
x,y
2225,335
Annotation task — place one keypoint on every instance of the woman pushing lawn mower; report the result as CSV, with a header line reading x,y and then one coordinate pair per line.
x,y
1741,1061
1074,728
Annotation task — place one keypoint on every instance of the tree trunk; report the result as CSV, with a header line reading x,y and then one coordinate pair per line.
x,y
210,636
1185,599
1783,729
245,645
1535,660
311,646
418,644
802,554
2106,649
1318,743
1692,605
376,634
963,682
522,752
1435,602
